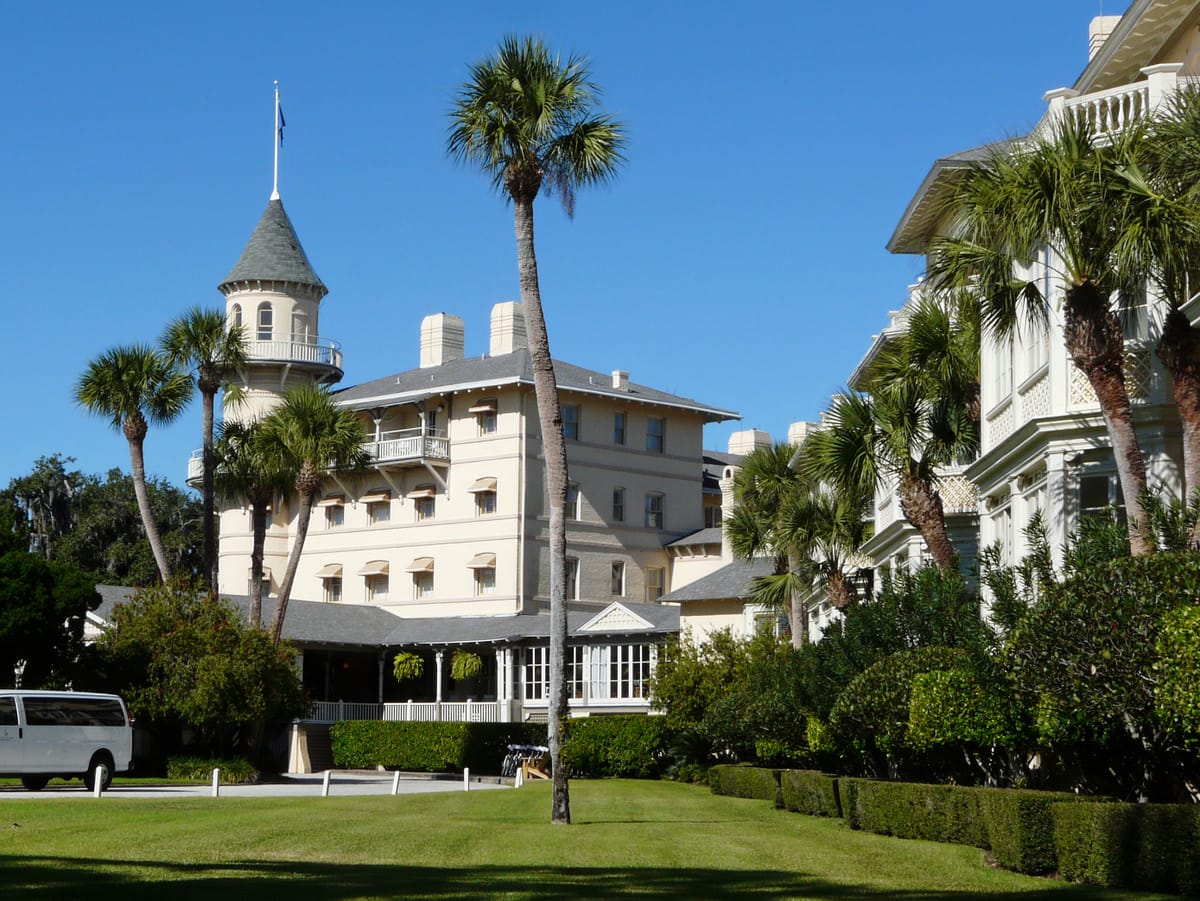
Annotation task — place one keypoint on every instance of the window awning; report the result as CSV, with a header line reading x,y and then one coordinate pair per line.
x,y
330,571
375,568
482,561
335,500
421,565
487,483
376,497
423,491
484,406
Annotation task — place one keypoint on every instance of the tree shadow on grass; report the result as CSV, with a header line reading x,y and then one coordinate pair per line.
x,y
36,878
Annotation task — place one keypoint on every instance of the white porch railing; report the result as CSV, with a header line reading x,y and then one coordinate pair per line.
x,y
324,351
196,467
409,444
408,711
1108,112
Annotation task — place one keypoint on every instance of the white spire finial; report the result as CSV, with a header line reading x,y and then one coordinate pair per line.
x,y
277,139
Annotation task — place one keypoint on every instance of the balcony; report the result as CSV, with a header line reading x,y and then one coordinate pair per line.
x,y
408,446
195,472
301,349
1109,112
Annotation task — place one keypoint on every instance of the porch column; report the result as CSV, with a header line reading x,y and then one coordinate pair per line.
x,y
382,667
501,676
510,672
437,659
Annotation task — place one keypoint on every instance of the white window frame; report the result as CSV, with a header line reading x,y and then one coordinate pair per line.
x,y
335,516
572,414
616,586
618,505
656,583
656,510
656,434
378,586
485,503
485,581
333,589
535,673
621,672
265,322
379,512
574,510
573,578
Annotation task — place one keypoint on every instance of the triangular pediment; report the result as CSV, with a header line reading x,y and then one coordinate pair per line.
x,y
616,617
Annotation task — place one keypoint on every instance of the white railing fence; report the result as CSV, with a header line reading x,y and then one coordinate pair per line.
x,y
408,711
409,444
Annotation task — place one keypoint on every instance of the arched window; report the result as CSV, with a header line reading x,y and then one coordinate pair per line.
x,y
235,315
265,322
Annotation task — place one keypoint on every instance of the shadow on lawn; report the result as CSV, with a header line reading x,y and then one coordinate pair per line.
x,y
58,878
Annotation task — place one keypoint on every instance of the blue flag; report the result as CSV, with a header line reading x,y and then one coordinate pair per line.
x,y
282,122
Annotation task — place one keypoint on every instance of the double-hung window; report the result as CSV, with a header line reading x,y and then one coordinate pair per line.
x,y
570,421
656,434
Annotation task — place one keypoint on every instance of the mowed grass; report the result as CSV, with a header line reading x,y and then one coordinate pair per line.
x,y
648,839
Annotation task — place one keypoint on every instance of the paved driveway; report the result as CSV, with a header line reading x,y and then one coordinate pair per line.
x,y
292,786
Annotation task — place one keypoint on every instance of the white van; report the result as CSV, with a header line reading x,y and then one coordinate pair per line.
x,y
44,734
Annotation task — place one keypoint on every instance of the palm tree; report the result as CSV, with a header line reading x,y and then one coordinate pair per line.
x,y
527,118
1086,203
200,339
308,436
896,433
1172,154
811,532
134,386
243,473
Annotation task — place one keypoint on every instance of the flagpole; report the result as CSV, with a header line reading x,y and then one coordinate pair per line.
x,y
275,140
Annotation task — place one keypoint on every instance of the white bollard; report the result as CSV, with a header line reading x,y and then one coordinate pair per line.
x,y
466,778
396,782
99,775
325,784
520,780
216,783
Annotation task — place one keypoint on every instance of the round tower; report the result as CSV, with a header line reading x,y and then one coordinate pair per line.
x,y
274,294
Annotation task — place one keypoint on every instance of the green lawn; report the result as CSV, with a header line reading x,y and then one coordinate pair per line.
x,y
654,839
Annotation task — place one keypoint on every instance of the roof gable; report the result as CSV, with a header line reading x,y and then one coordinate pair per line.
x,y
616,617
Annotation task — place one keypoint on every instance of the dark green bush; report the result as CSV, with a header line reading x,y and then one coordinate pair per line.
x,y
234,771
869,721
1020,827
940,813
746,782
1176,701
628,746
809,792
1141,846
429,747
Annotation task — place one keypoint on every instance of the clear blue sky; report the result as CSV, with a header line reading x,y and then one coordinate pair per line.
x,y
738,259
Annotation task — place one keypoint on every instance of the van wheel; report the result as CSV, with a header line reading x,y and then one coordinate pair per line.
x,y
105,760
34,783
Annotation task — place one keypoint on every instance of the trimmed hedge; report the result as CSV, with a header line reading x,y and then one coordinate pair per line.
x,y
811,793
1142,846
429,747
939,813
746,782
628,746
1020,827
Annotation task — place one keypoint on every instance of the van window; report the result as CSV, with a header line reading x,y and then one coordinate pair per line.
x,y
8,712
73,712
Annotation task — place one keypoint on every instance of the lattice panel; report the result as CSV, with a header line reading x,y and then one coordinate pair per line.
x,y
1002,424
1139,373
1081,393
959,494
1035,400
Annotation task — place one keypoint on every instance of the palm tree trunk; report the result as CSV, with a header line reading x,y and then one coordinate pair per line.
x,y
136,435
1093,337
208,491
840,589
258,520
799,613
922,506
555,450
307,500
1179,349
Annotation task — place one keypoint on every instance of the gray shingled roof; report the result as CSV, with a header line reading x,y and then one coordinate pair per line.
x,y
730,581
273,253
512,368
312,623
714,463
702,536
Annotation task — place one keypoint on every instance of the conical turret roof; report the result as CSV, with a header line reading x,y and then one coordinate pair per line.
x,y
274,253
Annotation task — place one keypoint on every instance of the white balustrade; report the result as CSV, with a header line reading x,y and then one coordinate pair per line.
x,y
409,444
324,351
408,711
